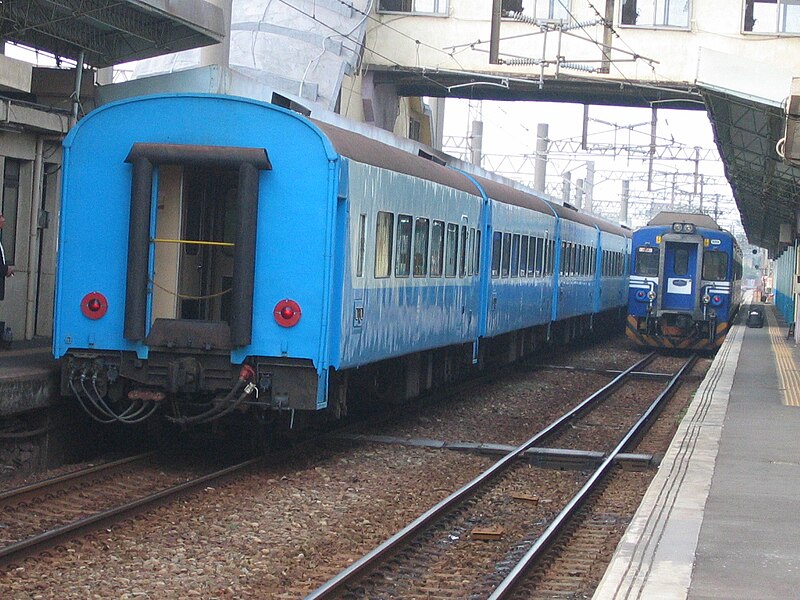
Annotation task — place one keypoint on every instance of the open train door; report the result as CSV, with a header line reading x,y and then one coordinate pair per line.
x,y
680,276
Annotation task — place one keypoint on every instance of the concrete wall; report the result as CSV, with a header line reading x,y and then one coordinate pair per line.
x,y
445,42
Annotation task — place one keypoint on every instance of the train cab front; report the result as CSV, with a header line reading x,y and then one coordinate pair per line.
x,y
671,303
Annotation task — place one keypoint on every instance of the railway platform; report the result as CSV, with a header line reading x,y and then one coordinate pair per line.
x,y
28,377
720,520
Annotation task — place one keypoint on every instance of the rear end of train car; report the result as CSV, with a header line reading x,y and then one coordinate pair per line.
x,y
684,284
195,268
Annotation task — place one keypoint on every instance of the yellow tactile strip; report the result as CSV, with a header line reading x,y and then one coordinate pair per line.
x,y
784,357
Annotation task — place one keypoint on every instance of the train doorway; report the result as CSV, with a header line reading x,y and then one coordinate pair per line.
x,y
194,243
205,272
680,270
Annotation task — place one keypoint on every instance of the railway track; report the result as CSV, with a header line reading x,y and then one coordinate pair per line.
x,y
438,555
39,516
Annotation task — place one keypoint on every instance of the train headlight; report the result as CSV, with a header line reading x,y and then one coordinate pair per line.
x,y
651,295
641,295
706,298
94,305
716,300
677,227
287,313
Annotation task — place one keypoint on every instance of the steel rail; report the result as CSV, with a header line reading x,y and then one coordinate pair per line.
x,y
348,575
25,547
22,492
549,535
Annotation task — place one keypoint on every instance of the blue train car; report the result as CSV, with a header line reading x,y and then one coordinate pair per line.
x,y
685,282
222,256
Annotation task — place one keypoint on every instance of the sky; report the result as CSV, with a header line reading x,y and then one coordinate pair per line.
x,y
509,129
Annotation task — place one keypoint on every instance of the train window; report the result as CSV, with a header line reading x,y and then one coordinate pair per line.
x,y
462,256
515,255
421,231
537,252
471,251
384,230
450,250
531,266
563,266
497,247
715,265
573,252
680,263
477,251
523,256
362,244
402,264
437,249
506,266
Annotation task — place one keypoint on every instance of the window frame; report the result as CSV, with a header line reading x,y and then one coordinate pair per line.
x,y
436,269
403,246
417,252
441,8
659,7
779,20
451,250
388,243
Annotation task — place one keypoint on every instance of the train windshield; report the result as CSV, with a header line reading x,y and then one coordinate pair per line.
x,y
715,265
647,259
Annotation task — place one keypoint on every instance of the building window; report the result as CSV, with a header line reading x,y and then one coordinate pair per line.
x,y
655,13
772,16
422,7
537,9
9,208
414,129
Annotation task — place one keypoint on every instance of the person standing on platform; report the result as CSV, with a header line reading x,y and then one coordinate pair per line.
x,y
6,270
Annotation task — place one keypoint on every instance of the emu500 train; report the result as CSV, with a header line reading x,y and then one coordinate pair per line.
x,y
685,282
220,255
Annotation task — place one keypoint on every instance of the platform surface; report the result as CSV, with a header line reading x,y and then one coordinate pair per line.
x,y
28,377
721,519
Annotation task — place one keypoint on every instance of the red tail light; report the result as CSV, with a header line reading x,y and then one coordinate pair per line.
x,y
287,313
94,305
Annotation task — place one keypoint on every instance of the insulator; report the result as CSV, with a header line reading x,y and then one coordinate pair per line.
x,y
578,67
517,62
523,19
570,26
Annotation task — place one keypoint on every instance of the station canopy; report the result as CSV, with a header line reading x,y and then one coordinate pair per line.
x,y
111,32
766,188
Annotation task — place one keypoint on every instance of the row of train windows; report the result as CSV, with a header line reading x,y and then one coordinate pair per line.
x,y
516,255
715,263
420,247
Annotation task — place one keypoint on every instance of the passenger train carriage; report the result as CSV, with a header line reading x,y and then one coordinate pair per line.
x,y
684,284
221,256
